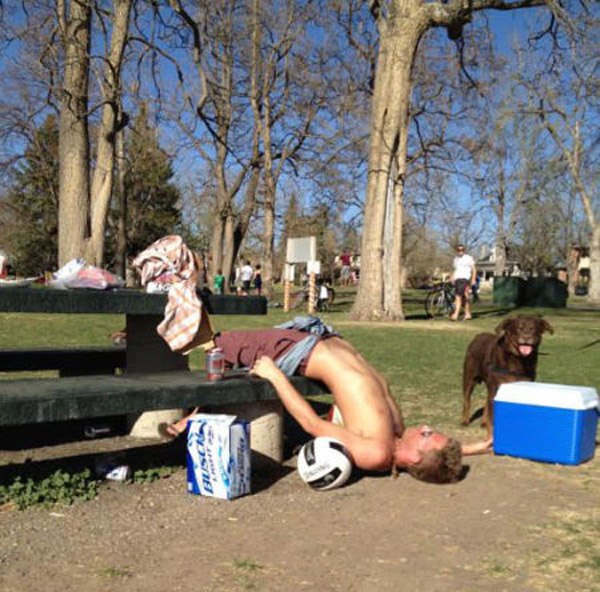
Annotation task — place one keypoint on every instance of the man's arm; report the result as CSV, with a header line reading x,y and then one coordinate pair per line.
x,y
367,453
483,447
473,273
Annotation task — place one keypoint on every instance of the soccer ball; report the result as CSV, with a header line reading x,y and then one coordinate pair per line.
x,y
324,463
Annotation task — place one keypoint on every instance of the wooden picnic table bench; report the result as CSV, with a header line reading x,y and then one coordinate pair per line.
x,y
153,377
26,401
69,361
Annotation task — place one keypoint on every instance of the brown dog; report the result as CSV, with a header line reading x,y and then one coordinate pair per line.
x,y
508,356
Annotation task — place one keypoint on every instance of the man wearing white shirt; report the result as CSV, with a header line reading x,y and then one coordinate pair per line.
x,y
463,277
246,274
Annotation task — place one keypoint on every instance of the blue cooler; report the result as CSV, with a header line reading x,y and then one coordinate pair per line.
x,y
546,422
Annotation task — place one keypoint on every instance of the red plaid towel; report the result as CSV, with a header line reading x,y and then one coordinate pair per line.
x,y
183,313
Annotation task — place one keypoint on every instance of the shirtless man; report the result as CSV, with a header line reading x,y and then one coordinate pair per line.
x,y
373,430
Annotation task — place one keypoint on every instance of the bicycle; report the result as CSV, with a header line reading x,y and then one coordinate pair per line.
x,y
440,301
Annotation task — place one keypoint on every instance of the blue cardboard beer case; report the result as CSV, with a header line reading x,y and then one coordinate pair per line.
x,y
218,456
546,422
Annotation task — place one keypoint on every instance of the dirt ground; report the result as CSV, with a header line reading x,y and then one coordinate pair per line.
x,y
494,531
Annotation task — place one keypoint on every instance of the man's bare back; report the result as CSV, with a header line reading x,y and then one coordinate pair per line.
x,y
359,391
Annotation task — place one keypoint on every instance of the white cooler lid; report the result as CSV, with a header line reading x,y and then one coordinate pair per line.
x,y
562,396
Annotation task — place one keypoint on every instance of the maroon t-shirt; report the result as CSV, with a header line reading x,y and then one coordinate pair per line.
x,y
243,348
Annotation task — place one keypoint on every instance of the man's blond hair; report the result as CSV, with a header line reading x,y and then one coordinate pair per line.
x,y
440,466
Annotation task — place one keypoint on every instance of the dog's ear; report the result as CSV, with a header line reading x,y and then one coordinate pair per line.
x,y
544,325
503,326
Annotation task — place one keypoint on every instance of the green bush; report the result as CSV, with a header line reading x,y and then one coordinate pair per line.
x,y
152,474
59,488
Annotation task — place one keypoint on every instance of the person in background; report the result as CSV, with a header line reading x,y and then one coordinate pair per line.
x,y
346,261
3,266
246,274
258,279
323,295
475,289
463,276
219,282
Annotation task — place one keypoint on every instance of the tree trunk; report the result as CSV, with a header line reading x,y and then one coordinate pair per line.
x,y
227,260
393,276
73,206
389,128
121,232
572,259
216,245
594,285
268,243
500,255
243,219
270,185
102,184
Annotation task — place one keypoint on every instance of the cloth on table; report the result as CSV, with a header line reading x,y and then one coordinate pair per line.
x,y
185,325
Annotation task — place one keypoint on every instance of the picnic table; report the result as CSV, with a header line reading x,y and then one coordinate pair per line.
x,y
152,378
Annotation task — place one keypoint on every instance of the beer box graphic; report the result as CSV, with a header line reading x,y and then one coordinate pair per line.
x,y
218,456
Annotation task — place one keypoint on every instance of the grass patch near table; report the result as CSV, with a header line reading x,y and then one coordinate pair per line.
x,y
422,358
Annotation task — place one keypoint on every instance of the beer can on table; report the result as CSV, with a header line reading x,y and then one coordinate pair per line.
x,y
215,364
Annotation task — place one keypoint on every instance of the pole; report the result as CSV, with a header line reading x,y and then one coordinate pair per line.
x,y
286,295
312,293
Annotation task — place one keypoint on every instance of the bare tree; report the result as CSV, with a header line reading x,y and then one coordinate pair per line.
x,y
74,26
569,113
508,154
216,35
113,120
402,24
281,74
83,205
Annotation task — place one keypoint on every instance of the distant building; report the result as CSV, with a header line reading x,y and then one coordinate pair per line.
x,y
486,264
580,258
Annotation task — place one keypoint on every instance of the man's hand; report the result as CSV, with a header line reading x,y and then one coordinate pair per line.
x,y
483,447
265,368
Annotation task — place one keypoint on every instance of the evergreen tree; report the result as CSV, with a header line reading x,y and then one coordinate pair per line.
x,y
33,201
152,199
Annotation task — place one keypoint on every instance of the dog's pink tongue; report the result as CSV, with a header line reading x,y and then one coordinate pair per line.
x,y
525,350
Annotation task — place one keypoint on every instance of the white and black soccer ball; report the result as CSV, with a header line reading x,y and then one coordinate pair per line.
x,y
324,463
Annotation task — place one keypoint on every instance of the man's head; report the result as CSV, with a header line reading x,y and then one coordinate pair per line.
x,y
429,456
460,249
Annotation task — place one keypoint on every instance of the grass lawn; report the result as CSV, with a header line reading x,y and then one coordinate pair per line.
x,y
421,358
